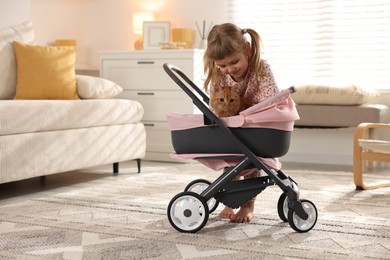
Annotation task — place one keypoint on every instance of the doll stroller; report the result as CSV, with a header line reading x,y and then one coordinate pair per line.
x,y
253,139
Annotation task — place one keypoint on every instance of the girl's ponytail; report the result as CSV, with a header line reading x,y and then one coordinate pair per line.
x,y
256,48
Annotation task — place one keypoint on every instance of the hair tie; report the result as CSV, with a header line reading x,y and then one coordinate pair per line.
x,y
244,31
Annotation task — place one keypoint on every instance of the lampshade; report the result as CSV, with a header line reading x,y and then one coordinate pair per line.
x,y
138,20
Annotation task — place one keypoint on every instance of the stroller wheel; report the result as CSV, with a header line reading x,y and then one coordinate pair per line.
x,y
198,186
302,225
188,212
283,207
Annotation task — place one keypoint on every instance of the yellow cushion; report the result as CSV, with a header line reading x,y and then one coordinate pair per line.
x,y
45,72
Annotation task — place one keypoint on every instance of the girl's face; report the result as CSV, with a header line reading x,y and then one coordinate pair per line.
x,y
235,65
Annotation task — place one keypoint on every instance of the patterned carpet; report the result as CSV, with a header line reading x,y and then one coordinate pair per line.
x,y
124,217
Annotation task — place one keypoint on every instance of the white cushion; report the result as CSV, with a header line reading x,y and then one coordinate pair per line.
x,y
379,146
90,87
22,33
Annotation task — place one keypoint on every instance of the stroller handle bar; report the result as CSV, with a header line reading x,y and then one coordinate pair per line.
x,y
177,76
171,70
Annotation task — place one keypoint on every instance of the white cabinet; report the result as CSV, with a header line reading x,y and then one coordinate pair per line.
x,y
142,77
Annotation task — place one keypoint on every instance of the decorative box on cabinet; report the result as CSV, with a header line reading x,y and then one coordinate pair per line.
x,y
142,77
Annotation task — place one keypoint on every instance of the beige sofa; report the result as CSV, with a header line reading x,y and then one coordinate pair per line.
x,y
39,137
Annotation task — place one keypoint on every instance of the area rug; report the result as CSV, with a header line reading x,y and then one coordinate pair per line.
x,y
124,217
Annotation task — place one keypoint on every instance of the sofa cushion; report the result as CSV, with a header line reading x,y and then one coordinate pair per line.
x,y
22,32
341,116
45,72
332,95
28,116
90,87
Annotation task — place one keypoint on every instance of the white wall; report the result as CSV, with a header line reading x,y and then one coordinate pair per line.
x,y
59,19
14,12
107,25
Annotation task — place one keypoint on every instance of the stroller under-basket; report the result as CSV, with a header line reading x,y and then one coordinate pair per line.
x,y
253,139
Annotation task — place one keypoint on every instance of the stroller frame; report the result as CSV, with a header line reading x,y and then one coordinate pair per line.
x,y
188,211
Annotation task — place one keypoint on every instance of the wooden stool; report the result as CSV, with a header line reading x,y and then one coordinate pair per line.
x,y
368,150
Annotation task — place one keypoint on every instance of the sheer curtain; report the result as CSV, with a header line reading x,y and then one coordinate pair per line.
x,y
321,41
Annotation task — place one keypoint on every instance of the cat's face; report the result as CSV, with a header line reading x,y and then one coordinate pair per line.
x,y
225,102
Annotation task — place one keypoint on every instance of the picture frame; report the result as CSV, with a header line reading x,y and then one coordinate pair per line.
x,y
154,33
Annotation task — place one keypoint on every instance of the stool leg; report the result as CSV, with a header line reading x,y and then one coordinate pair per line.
x,y
371,135
358,169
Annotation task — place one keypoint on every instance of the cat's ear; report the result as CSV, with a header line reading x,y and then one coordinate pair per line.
x,y
217,87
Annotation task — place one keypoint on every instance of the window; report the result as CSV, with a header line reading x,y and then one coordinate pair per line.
x,y
321,41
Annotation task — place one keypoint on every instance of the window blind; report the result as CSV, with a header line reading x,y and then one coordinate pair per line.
x,y
321,41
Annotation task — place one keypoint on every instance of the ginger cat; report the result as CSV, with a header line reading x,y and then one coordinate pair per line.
x,y
226,102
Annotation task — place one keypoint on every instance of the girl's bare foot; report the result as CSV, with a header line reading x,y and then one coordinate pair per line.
x,y
245,214
227,213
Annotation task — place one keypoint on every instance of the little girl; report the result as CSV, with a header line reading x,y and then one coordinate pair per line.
x,y
231,60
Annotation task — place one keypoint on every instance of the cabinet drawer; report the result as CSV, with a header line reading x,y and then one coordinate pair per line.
x,y
157,104
158,137
144,74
